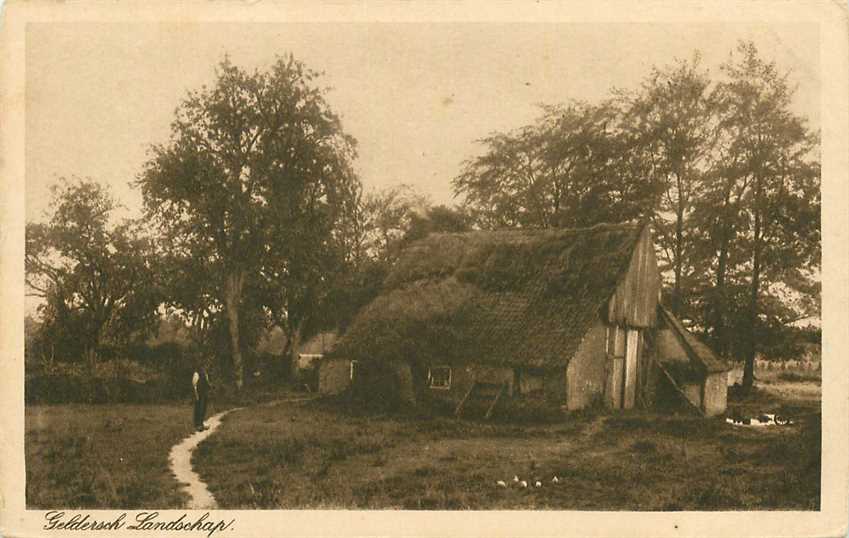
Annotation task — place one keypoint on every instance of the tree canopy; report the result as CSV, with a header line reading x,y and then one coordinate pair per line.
x,y
96,278
570,168
249,194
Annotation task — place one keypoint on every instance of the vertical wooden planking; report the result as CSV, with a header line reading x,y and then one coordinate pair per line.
x,y
616,376
631,349
616,344
618,341
637,285
634,302
642,274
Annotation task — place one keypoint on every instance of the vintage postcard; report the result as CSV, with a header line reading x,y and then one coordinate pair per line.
x,y
424,269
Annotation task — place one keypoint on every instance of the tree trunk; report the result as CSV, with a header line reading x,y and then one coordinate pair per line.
x,y
679,250
751,348
295,334
679,247
91,360
93,348
232,302
719,301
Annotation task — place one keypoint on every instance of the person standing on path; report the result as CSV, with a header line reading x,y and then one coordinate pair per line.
x,y
200,390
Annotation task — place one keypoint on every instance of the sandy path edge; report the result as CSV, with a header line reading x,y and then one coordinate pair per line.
x,y
180,459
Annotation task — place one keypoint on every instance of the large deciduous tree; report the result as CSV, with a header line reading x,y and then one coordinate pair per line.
x,y
96,278
672,122
250,190
774,212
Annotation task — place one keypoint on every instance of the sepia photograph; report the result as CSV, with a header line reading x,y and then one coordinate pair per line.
x,y
344,278
417,265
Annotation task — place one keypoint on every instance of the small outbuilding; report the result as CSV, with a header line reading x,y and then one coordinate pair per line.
x,y
335,374
566,317
310,355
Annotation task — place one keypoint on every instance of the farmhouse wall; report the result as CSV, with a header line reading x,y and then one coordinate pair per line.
x,y
404,373
586,374
464,374
334,376
554,386
531,382
669,347
319,344
715,394
693,392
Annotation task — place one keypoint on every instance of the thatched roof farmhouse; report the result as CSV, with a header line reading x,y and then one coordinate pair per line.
x,y
568,317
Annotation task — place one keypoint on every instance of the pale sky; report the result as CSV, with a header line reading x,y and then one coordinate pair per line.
x,y
415,96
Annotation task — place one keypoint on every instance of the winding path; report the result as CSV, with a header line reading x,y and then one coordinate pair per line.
x,y
180,459
181,465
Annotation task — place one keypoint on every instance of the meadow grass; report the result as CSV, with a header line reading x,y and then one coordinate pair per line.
x,y
115,455
322,455
103,456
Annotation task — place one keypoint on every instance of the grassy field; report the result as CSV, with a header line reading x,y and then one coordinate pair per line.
x,y
316,455
113,455
798,387
103,456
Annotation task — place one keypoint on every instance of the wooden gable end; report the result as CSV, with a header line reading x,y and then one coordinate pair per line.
x,y
634,303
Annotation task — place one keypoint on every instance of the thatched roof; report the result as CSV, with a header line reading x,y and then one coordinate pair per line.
x,y
697,351
502,298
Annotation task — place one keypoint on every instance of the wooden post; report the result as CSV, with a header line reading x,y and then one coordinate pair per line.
x,y
630,389
616,377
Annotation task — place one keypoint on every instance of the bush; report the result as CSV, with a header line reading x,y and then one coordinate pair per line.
x,y
135,374
53,389
143,373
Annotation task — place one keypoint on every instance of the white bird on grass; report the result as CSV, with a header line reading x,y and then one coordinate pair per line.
x,y
523,483
555,480
537,484
501,484
515,478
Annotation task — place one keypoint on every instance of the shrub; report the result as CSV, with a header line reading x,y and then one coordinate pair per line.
x,y
136,374
57,389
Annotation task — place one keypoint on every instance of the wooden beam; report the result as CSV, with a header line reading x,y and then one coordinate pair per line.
x,y
680,390
459,408
495,401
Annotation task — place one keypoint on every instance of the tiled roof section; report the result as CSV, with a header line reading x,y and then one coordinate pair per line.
x,y
696,349
502,298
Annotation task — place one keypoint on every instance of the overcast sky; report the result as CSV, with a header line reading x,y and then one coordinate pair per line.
x,y
415,96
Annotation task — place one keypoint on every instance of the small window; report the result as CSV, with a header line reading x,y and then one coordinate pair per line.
x,y
439,377
354,366
531,382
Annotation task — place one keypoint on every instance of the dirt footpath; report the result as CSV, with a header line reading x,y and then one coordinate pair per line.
x,y
181,465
